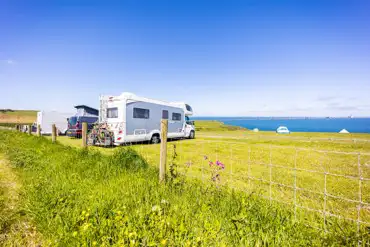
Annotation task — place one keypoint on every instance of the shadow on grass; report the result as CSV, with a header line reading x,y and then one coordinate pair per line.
x,y
141,143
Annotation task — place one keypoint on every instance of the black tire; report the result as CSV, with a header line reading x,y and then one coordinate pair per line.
x,y
155,139
192,134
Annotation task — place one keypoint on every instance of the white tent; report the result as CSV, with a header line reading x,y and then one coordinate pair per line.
x,y
255,130
282,130
344,131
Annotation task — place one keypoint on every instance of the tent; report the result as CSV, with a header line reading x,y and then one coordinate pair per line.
x,y
344,131
283,130
255,130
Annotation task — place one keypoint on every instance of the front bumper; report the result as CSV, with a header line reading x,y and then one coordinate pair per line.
x,y
74,133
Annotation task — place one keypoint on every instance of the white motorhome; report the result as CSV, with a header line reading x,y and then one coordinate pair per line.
x,y
46,118
135,119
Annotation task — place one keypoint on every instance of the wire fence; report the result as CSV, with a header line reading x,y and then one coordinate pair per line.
x,y
348,139
319,184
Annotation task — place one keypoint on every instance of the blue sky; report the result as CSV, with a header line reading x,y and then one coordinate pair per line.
x,y
225,58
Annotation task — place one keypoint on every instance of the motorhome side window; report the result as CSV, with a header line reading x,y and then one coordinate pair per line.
x,y
176,116
112,112
141,113
164,114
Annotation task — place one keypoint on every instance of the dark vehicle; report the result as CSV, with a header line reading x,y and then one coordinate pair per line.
x,y
75,125
34,127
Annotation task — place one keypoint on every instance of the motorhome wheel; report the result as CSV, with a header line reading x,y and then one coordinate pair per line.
x,y
155,139
192,135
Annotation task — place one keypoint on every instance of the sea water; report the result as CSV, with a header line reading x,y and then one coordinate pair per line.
x,y
353,125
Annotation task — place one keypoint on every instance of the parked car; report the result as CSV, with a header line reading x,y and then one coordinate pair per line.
x,y
282,130
75,125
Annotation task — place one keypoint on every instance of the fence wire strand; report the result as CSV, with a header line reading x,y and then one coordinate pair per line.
x,y
235,175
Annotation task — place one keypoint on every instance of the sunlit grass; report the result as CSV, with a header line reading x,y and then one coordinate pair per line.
x,y
248,162
80,197
295,179
18,117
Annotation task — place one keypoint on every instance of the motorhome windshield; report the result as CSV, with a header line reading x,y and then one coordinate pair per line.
x,y
188,121
72,121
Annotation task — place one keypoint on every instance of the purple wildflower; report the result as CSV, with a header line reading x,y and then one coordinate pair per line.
x,y
222,166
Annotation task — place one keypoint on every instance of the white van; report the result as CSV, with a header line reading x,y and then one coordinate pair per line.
x,y
134,119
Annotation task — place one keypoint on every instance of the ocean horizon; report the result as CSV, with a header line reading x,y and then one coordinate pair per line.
x,y
298,124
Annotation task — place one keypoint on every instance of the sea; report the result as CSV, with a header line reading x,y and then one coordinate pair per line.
x,y
353,125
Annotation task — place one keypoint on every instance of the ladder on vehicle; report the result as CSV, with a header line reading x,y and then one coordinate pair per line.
x,y
103,109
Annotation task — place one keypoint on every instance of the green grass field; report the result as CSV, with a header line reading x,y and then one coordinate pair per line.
x,y
247,156
216,126
301,165
9,118
75,197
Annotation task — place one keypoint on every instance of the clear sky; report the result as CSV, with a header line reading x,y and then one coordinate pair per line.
x,y
225,58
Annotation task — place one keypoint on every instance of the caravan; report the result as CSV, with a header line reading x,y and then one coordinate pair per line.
x,y
134,119
46,118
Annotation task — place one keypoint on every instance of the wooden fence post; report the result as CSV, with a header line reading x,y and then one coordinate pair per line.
x,y
53,133
29,129
84,134
163,154
38,131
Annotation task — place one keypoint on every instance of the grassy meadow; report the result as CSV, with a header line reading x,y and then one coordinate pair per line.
x,y
111,196
75,197
9,118
297,170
